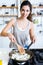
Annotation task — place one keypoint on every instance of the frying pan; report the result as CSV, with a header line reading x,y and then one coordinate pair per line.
x,y
27,51
21,61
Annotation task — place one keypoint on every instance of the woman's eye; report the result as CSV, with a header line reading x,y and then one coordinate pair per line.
x,y
22,9
27,10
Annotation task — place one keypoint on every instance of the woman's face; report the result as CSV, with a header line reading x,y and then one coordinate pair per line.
x,y
25,11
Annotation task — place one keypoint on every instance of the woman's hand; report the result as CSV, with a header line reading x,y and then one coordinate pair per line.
x,y
21,49
33,39
11,37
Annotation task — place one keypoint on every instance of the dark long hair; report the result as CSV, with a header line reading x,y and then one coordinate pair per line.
x,y
24,3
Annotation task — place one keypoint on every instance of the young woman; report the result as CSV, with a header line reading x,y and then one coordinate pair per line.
x,y
23,28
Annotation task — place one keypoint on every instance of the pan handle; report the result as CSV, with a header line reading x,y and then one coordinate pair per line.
x,y
29,45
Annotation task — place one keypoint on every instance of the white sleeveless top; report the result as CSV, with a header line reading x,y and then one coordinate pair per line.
x,y
22,36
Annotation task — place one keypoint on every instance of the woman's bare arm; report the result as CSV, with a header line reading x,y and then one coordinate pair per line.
x,y
32,35
7,27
